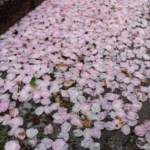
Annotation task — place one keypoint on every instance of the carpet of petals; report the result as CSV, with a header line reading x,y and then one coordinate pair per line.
x,y
91,56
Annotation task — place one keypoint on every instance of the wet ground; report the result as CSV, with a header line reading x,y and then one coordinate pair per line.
x,y
110,140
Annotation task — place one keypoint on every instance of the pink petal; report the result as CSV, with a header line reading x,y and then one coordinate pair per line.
x,y
45,101
60,144
87,133
96,133
65,136
46,77
19,133
86,143
15,122
6,119
117,104
40,146
78,133
107,106
45,93
125,129
12,145
120,77
132,115
132,122
140,130
14,112
36,95
99,125
76,107
47,142
139,75
48,129
65,127
31,132
76,122
47,109
111,96
95,108
4,105
110,126
33,142
95,146
39,110
12,105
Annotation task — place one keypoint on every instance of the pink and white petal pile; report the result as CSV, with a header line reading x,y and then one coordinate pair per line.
x,y
143,131
86,51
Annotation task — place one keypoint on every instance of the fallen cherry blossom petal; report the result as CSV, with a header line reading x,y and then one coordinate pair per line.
x,y
140,130
31,132
65,127
39,110
48,129
59,144
125,129
86,143
13,145
78,133
47,142
95,146
20,133
14,112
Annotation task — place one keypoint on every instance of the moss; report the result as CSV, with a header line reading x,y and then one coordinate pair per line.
x,y
86,95
41,135
67,105
3,137
4,75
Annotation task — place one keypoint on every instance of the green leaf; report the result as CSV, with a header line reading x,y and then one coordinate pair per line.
x,y
41,135
1,127
32,82
69,106
63,20
86,95
4,75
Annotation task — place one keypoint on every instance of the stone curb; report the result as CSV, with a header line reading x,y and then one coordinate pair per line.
x,y
11,11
